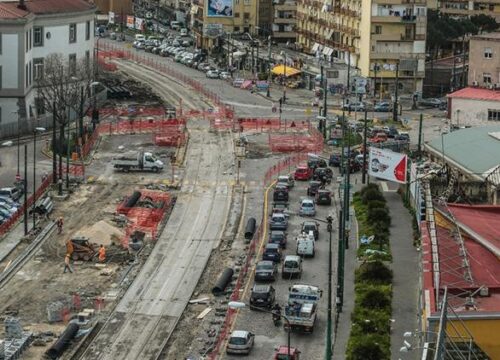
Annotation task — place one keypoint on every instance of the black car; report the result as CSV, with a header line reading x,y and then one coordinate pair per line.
x,y
272,252
316,163
313,188
278,237
266,270
280,195
334,160
311,226
323,173
279,207
323,197
262,296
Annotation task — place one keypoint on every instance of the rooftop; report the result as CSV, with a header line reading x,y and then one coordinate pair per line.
x,y
475,149
473,93
489,36
10,9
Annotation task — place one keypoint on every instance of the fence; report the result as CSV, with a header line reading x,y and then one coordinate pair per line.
x,y
281,167
131,111
296,142
6,226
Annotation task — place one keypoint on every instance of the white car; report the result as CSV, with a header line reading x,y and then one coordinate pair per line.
x,y
307,208
213,74
240,342
224,75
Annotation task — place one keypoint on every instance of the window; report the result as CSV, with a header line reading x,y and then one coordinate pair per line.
x,y
39,106
30,73
493,115
378,29
236,28
72,64
38,68
26,44
87,58
486,78
488,53
30,36
246,2
38,36
0,77
237,15
72,33
87,30
0,43
246,16
26,79
0,113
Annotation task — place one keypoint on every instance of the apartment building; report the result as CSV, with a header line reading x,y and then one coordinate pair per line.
x,y
458,8
382,39
484,61
284,21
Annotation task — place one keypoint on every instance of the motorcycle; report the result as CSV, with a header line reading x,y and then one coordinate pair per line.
x,y
276,320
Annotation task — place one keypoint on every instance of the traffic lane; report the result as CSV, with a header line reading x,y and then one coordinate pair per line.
x,y
315,272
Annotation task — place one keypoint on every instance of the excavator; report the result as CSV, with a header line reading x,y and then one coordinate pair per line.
x,y
80,248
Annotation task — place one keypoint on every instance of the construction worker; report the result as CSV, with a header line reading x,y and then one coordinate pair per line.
x,y
102,254
67,260
59,224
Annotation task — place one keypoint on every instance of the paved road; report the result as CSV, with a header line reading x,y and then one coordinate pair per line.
x,y
147,314
315,272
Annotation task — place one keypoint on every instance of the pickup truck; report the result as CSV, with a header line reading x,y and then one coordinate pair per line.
x,y
301,308
142,161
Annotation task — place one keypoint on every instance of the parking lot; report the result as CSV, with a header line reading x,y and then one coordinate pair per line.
x,y
315,272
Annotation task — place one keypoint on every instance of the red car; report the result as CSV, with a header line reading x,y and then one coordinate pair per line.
x,y
302,173
282,353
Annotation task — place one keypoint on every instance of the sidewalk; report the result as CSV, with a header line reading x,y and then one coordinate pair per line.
x,y
12,238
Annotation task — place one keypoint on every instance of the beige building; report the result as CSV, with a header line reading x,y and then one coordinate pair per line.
x,y
284,21
116,6
484,61
469,8
374,36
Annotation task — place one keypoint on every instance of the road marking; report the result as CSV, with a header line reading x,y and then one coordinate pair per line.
x,y
385,187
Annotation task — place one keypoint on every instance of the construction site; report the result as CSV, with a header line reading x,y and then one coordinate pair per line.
x,y
168,233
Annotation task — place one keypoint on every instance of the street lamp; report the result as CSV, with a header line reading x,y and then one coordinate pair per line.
x,y
35,131
269,76
242,305
18,145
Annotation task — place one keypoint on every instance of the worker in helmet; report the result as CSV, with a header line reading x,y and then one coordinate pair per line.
x,y
102,254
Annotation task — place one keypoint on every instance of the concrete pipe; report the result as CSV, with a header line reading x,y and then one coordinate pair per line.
x,y
63,341
133,199
222,282
250,228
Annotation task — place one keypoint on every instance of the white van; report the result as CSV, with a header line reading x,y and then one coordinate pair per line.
x,y
292,267
305,244
175,25
140,37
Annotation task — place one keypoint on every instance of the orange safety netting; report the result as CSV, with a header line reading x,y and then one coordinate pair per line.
x,y
296,142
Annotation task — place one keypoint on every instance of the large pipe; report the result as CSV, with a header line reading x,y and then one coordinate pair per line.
x,y
62,343
250,228
222,282
132,200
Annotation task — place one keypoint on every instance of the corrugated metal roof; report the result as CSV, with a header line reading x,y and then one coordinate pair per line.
x,y
472,148
476,94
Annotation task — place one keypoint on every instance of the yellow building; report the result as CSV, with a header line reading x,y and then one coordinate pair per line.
x,y
457,8
370,35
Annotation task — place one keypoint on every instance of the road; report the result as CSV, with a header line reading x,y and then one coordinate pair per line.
x,y
315,272
148,312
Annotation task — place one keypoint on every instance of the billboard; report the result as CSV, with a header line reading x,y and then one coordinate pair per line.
x,y
130,22
139,24
220,8
387,165
111,16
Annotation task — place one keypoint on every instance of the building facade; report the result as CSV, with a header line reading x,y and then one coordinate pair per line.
x,y
484,61
118,7
284,21
462,8
474,106
29,32
383,39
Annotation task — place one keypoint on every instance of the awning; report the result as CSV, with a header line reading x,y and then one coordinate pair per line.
x,y
280,70
315,47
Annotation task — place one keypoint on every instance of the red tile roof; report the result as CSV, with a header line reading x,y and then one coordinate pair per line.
x,y
476,94
9,10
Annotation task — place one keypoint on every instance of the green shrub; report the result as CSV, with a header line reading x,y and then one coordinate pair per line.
x,y
372,195
376,204
375,298
371,186
370,347
378,214
375,272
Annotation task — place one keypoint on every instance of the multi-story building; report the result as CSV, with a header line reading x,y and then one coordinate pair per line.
x,y
383,39
484,61
29,31
284,21
115,6
459,8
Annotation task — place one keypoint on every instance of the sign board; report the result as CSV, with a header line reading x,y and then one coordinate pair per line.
x,y
388,165
111,17
220,8
130,22
213,30
139,24
359,85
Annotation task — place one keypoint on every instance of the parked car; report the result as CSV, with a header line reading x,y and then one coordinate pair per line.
x,y
240,342
272,252
314,186
292,267
302,172
278,221
11,192
280,207
323,173
431,102
287,179
379,137
323,197
262,296
334,160
307,208
266,270
382,107
8,200
212,74
402,136
354,106
225,75
308,226
280,195
278,237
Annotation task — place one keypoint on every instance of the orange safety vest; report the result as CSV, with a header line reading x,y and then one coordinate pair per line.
x,y
102,254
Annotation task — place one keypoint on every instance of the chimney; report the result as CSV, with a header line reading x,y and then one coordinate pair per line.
x,y
22,5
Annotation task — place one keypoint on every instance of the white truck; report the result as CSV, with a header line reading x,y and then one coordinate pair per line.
x,y
142,161
301,308
305,244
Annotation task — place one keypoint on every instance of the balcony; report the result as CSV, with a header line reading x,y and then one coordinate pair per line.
x,y
284,34
285,7
394,19
287,21
384,55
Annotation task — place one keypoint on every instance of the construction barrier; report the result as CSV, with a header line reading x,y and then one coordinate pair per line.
x,y
296,142
259,124
142,111
7,225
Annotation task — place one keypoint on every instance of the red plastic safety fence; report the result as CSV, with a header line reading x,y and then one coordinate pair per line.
x,y
284,166
6,226
296,142
131,111
174,138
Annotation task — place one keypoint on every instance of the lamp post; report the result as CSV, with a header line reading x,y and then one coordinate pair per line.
x,y
269,78
242,305
18,145
37,130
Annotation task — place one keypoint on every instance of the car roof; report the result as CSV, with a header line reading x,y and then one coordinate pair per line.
x,y
275,232
305,223
264,262
307,201
8,188
239,333
278,215
322,191
314,182
292,257
261,287
272,246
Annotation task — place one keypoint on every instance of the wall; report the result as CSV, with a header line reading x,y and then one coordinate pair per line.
x,y
472,112
478,64
365,38
9,61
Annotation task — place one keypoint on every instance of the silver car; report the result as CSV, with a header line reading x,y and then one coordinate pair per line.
x,y
307,208
240,342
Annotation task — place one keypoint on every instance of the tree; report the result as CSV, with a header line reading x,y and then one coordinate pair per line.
x,y
372,195
367,348
374,272
375,298
484,23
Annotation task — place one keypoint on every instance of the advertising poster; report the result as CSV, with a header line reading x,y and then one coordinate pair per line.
x,y
111,16
139,24
130,22
387,165
220,8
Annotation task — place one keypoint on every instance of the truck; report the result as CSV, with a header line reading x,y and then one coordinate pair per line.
x,y
301,308
305,244
142,161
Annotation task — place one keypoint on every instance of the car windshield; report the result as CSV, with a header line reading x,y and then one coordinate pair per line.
x,y
307,205
308,228
291,264
278,219
276,237
237,341
264,266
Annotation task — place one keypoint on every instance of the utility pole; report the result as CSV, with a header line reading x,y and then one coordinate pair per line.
x,y
25,189
228,49
365,127
348,71
375,69
323,89
328,356
395,107
54,155
253,62
67,151
269,78
340,264
347,180
420,135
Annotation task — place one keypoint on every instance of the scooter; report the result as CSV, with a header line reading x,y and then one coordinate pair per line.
x,y
276,320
